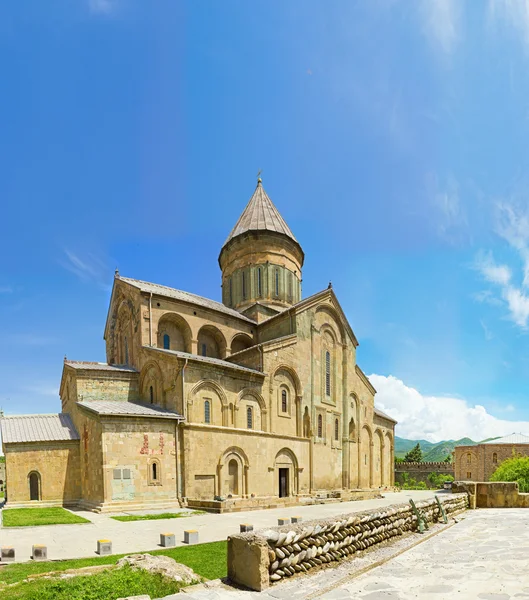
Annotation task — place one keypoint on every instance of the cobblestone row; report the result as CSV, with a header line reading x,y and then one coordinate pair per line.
x,y
306,547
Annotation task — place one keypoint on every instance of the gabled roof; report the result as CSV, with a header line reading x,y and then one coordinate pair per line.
x,y
513,438
168,292
128,409
219,362
37,428
384,415
260,214
97,366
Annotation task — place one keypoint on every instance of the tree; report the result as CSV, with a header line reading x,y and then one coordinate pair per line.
x,y
448,458
414,455
514,469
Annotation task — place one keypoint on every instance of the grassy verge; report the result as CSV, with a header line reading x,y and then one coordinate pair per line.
x,y
179,515
27,517
207,560
107,585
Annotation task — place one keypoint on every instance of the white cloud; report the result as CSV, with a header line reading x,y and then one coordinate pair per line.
x,y
88,268
101,6
518,304
492,272
437,418
513,13
440,19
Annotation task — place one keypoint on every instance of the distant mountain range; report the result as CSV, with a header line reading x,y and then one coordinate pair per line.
x,y
432,452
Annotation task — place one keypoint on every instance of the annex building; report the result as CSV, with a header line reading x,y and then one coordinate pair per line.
x,y
221,405
478,463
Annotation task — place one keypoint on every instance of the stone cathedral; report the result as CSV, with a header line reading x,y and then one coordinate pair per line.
x,y
252,402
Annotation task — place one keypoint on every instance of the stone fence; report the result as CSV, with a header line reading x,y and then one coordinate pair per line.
x,y
492,494
420,470
255,560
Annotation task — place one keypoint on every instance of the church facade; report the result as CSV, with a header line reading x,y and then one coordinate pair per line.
x,y
233,404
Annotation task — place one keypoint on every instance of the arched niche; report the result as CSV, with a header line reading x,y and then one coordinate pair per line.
x,y
173,333
232,473
211,342
151,384
286,472
210,391
241,342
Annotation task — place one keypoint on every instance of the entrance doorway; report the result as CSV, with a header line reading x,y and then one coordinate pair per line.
x,y
34,491
283,483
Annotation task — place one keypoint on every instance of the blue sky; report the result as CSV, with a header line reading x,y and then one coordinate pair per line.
x,y
392,138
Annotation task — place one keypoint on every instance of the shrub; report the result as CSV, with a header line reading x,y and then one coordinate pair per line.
x,y
514,469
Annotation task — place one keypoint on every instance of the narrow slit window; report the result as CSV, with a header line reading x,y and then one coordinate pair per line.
x,y
284,401
151,394
249,417
166,342
320,426
327,373
231,292
207,411
290,285
336,430
243,275
494,458
126,347
204,350
469,458
259,282
154,471
277,282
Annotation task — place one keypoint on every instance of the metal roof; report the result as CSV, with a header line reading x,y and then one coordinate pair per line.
x,y
128,409
206,359
162,290
260,214
97,366
37,428
384,415
513,438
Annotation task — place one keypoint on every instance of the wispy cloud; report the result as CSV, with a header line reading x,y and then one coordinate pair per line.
x,y
492,272
6,289
511,13
88,268
488,333
441,24
104,7
449,212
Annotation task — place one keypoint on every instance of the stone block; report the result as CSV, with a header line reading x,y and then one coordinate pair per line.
x,y
7,554
104,547
167,540
191,536
296,519
245,527
39,552
283,521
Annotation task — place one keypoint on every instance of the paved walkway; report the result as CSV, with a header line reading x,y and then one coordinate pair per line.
x,y
78,541
483,557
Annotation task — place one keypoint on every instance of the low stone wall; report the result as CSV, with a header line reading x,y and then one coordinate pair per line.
x,y
256,560
492,494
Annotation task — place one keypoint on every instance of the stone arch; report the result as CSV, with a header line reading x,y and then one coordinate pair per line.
x,y
286,378
35,485
240,342
154,475
388,459
232,472
178,331
378,459
293,374
250,397
208,390
329,361
124,334
151,384
286,470
335,316
365,450
211,342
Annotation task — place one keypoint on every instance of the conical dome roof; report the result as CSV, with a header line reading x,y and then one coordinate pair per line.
x,y
260,214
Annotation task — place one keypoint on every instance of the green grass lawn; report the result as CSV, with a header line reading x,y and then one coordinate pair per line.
x,y
156,517
207,560
27,517
107,585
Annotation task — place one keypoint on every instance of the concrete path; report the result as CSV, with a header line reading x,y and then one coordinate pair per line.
x,y
483,557
78,541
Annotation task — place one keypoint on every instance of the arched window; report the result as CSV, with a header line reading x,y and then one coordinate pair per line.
x,y
336,429
166,341
320,426
284,401
207,411
204,349
469,458
154,467
259,285
249,417
327,373
154,472
151,394
277,282
126,349
495,458
243,276
34,486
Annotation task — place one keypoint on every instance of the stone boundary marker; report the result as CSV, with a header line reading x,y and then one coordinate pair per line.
x,y
191,536
246,527
39,552
255,560
104,547
7,554
167,540
283,521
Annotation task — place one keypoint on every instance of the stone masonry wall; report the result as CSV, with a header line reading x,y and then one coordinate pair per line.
x,y
420,470
256,560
